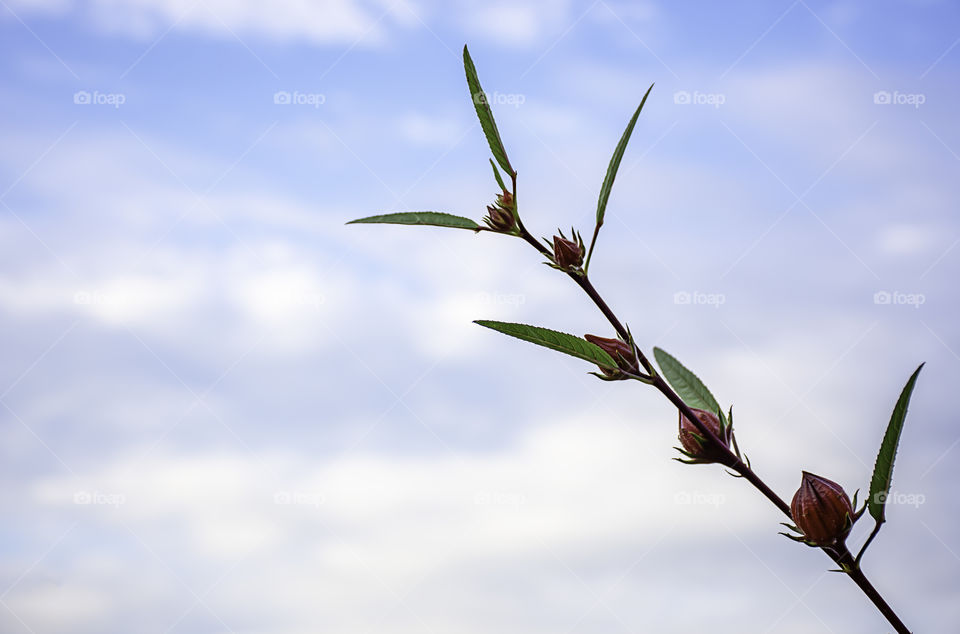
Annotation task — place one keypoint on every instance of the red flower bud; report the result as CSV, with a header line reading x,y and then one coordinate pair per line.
x,y
500,219
696,445
619,350
821,510
505,200
566,253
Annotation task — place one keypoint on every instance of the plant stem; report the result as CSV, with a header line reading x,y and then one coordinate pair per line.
x,y
853,570
593,241
873,533
840,556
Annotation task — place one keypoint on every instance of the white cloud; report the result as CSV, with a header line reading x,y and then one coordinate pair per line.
x,y
512,24
517,24
905,239
571,486
304,541
422,129
317,22
620,13
469,534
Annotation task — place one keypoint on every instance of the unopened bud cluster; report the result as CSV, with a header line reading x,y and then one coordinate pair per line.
x,y
502,216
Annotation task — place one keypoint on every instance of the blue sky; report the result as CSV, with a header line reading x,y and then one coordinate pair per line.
x,y
223,410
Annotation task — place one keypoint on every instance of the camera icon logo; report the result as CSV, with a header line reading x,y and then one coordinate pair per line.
x,y
882,297
281,98
681,297
882,97
82,497
81,97
681,97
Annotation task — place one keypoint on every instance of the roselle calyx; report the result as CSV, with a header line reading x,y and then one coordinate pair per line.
x,y
822,511
621,352
698,447
502,216
566,253
500,219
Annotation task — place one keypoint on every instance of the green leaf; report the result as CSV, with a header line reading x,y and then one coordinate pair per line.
x,y
883,469
496,174
485,114
560,341
615,162
691,389
434,218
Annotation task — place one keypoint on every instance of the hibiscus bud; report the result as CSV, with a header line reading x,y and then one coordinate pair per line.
x,y
505,200
500,219
821,510
566,253
619,350
699,447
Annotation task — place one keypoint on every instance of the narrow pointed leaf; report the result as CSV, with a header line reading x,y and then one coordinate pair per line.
x,y
496,175
883,469
433,218
691,389
560,341
615,161
485,114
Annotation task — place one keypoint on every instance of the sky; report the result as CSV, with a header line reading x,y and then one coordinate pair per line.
x,y
224,410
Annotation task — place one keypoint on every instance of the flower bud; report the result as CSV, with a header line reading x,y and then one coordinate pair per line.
x,y
566,253
821,510
502,217
698,447
499,219
505,200
619,350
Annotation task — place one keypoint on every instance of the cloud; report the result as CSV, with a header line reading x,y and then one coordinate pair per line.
x,y
364,22
513,25
517,24
422,129
373,461
581,508
906,239
357,526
